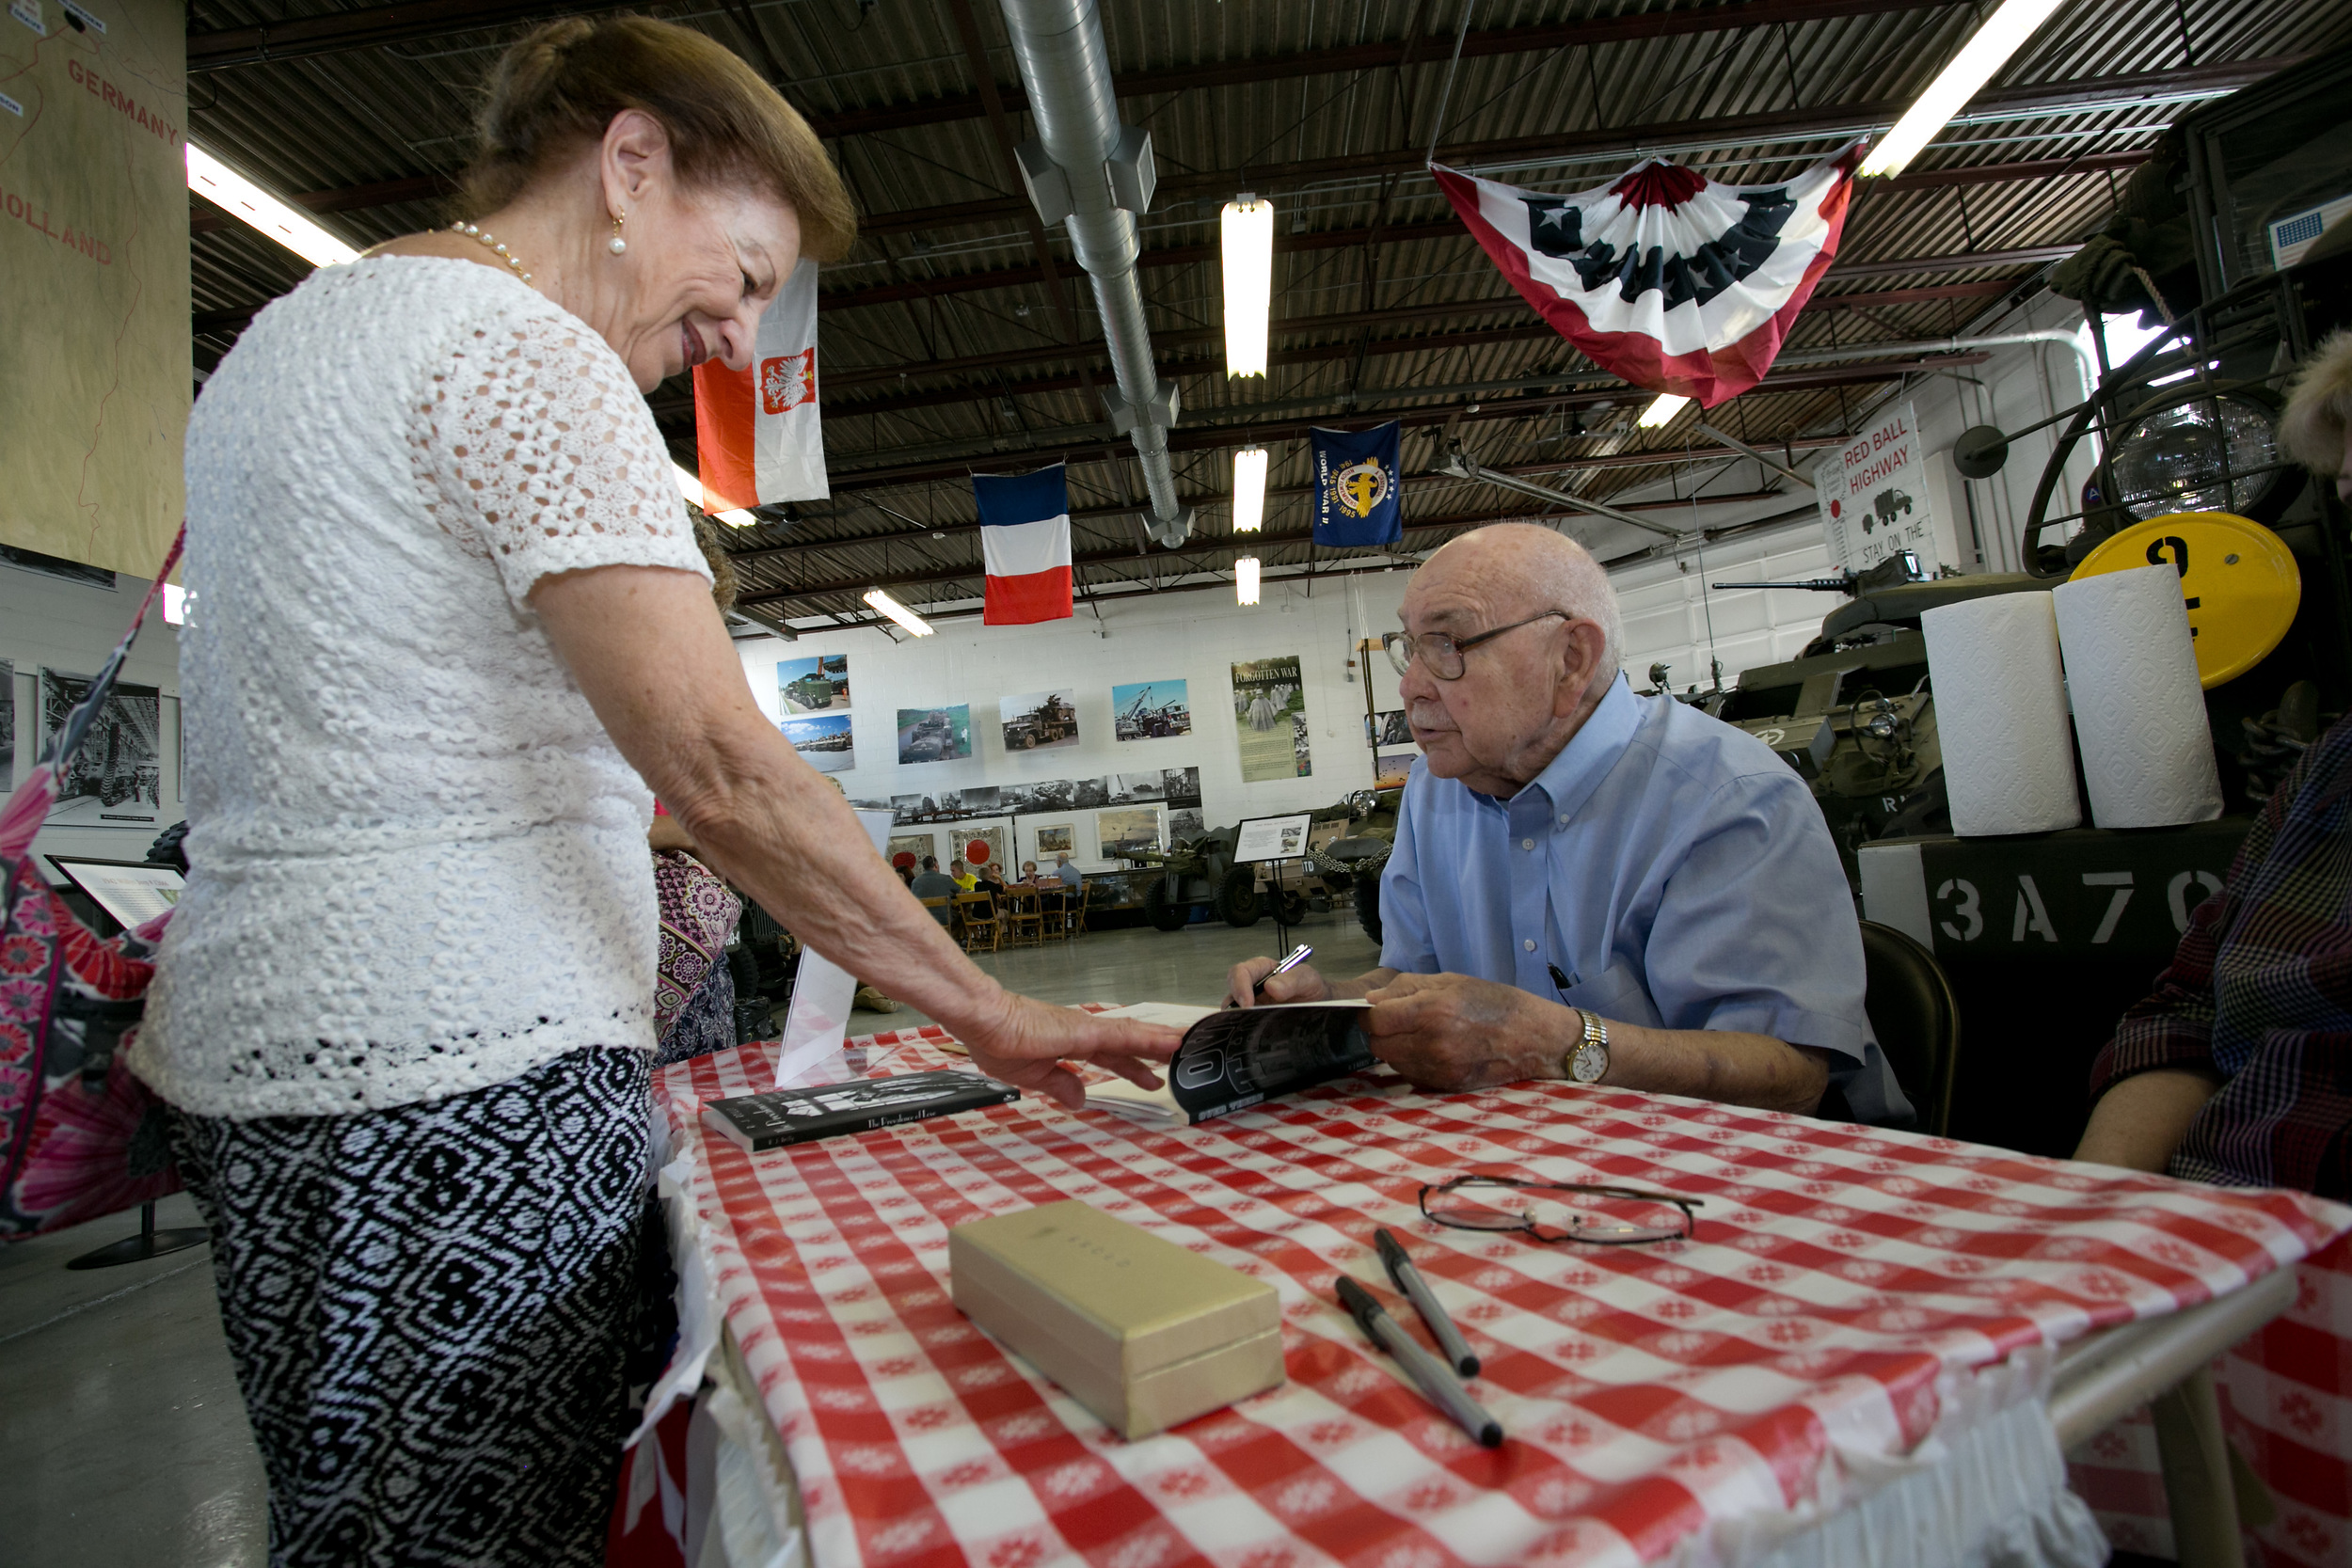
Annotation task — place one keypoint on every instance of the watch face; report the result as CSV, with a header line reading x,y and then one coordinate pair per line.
x,y
1592,1061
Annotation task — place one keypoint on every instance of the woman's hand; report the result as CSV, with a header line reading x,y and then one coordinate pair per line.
x,y
1028,1040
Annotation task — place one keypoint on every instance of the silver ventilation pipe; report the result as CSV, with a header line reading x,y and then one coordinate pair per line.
x,y
1087,169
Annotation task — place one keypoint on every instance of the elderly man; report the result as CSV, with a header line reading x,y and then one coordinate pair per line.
x,y
1069,875
1591,885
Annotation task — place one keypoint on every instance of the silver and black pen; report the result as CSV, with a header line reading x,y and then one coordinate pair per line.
x,y
1291,961
1441,1327
1429,1374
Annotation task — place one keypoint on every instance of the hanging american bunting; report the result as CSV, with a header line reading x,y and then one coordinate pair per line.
x,y
758,437
1663,276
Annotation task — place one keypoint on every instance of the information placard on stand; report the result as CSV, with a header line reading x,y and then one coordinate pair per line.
x,y
1273,840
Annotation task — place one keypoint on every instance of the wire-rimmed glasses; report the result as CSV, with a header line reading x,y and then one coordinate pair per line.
x,y
1560,1211
1441,653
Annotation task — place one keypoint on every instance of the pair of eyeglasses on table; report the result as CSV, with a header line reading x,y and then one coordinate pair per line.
x,y
1560,1211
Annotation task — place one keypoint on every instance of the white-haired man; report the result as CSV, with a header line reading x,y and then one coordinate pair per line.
x,y
1591,885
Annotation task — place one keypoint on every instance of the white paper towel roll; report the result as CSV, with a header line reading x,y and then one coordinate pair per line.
x,y
2147,754
2000,715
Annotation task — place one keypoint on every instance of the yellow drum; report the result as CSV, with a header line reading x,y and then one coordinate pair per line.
x,y
2239,578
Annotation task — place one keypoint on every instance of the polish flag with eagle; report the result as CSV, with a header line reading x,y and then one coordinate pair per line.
x,y
759,436
1663,276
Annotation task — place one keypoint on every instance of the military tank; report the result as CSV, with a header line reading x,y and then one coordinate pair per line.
x,y
1355,859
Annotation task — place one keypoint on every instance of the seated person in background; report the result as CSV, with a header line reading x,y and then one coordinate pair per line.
x,y
906,874
966,879
931,882
1067,873
1028,874
1573,861
2238,1069
989,879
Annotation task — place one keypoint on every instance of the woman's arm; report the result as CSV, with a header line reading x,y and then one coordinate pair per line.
x,y
655,662
2142,1119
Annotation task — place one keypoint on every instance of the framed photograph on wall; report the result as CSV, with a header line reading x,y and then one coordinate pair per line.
x,y
820,684
1131,827
117,778
823,740
1151,710
1040,721
1060,839
934,734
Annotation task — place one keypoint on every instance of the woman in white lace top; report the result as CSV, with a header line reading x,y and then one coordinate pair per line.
x,y
451,624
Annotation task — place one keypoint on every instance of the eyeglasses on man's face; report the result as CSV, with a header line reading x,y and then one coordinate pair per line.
x,y
1560,1211
1441,653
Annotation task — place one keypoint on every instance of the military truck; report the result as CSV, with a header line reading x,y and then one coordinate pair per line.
x,y
810,692
1195,871
1052,721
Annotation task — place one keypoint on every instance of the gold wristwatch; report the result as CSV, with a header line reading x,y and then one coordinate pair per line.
x,y
1587,1060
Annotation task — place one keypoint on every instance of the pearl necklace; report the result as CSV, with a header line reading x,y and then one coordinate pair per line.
x,y
474,232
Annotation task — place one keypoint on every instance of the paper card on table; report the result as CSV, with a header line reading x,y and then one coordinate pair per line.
x,y
817,1022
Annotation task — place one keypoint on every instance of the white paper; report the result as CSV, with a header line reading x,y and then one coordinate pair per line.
x,y
1272,838
2139,705
817,1022
2000,713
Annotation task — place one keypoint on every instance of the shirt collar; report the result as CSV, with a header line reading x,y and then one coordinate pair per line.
x,y
1571,778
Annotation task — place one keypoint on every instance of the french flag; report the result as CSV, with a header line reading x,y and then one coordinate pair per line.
x,y
1024,540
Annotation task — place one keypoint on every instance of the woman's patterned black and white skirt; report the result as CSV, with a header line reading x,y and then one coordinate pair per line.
x,y
430,1308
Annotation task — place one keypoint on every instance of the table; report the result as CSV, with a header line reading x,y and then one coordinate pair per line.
x,y
1852,1296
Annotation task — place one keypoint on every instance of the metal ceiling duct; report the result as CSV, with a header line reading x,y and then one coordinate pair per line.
x,y
1087,169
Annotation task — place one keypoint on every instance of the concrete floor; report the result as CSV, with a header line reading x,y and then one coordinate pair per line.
x,y
122,1440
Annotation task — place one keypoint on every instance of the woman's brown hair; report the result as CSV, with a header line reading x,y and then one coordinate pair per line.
x,y
557,90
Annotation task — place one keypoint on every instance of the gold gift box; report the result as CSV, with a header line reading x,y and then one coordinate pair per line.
x,y
1139,1330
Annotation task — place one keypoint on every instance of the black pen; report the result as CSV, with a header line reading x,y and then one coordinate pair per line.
x,y
1408,1279
1427,1372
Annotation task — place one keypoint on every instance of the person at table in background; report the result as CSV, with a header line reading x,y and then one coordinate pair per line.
x,y
1065,873
906,874
1028,874
1573,861
2238,1069
988,878
931,882
424,1179
967,878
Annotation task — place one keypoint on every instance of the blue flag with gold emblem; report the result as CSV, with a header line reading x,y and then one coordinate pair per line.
x,y
1357,499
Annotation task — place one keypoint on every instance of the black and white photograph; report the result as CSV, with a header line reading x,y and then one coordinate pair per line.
x,y
1023,799
1136,828
1387,728
979,801
1180,787
1129,790
1088,794
1185,824
1040,721
117,778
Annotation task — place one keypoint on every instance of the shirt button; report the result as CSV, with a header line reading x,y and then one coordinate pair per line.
x,y
1527,844
1529,945
1564,822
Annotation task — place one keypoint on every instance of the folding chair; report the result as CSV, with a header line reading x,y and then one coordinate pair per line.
x,y
978,912
1023,925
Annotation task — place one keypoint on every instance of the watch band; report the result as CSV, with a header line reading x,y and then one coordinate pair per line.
x,y
1587,1060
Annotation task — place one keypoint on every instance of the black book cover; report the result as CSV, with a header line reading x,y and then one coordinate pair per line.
x,y
1233,1059
754,1122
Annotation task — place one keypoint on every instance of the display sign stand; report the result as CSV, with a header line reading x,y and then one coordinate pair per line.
x,y
1272,841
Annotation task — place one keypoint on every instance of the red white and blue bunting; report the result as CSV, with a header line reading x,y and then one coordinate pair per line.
x,y
1663,276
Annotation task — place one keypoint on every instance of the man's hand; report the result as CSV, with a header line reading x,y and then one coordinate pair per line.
x,y
1448,1033
1029,1039
1302,983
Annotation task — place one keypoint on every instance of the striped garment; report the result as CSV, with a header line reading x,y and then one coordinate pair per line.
x,y
2260,995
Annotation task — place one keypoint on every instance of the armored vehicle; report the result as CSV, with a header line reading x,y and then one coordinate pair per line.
x,y
811,691
1194,871
1052,721
1355,859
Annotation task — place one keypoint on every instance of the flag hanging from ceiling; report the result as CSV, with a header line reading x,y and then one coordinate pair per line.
x,y
757,438
1357,497
1025,541
1663,276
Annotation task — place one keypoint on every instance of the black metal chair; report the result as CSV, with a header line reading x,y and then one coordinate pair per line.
x,y
1917,1019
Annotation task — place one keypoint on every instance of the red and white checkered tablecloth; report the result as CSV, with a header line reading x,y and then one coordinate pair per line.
x,y
1841,1280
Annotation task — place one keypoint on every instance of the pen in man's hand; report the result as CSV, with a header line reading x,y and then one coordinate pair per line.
x,y
1408,1279
1427,1372
1297,955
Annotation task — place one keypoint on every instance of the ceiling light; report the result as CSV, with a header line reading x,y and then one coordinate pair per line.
x,y
1246,579
1661,411
1248,489
1248,246
241,198
898,612
1969,69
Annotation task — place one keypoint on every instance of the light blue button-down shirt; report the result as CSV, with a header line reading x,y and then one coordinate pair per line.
x,y
1675,870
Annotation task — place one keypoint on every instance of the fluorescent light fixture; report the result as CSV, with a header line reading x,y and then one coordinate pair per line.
x,y
175,604
898,612
1661,411
1957,83
1249,246
1246,579
1248,489
691,488
241,198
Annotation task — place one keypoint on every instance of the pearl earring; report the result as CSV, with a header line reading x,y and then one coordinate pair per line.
x,y
616,245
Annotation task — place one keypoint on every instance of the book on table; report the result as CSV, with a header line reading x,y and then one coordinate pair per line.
x,y
1233,1059
754,1122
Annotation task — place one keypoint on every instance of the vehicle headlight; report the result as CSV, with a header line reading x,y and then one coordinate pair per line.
x,y
2218,454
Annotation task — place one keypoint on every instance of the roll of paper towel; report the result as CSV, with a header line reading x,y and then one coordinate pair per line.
x,y
2138,707
2001,714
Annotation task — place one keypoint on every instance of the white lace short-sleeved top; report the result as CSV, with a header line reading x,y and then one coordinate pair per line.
x,y
418,864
